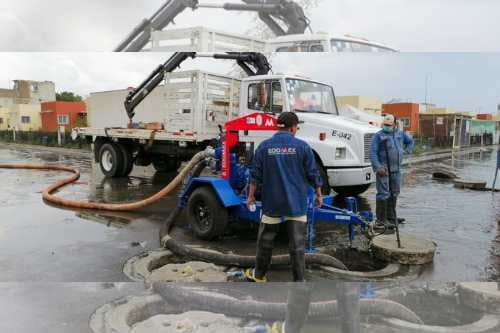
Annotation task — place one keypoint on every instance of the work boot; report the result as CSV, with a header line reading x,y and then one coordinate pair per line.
x,y
265,245
250,276
296,246
278,327
381,212
382,223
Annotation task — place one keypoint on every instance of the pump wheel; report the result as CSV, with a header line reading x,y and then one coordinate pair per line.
x,y
351,191
111,160
165,164
206,215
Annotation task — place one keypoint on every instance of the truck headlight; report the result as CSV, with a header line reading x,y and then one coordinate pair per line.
x,y
340,153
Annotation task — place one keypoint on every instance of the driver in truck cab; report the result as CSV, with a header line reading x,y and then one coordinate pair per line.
x,y
260,101
284,168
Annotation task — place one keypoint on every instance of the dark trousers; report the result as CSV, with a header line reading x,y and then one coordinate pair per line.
x,y
296,247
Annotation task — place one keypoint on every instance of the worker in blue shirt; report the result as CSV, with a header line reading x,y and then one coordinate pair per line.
x,y
284,168
387,150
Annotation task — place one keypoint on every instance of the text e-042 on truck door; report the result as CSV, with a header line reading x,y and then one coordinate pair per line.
x,y
341,134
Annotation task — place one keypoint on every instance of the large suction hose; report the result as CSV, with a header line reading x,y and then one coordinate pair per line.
x,y
48,195
193,298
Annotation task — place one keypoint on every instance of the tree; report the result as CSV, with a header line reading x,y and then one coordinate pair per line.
x,y
68,96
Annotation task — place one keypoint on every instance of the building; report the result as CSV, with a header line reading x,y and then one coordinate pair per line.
x,y
6,98
406,113
363,103
4,118
67,114
28,92
483,132
439,111
445,130
25,117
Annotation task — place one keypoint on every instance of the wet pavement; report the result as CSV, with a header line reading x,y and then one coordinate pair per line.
x,y
43,243
56,307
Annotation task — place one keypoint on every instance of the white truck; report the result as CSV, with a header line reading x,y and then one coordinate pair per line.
x,y
192,106
202,39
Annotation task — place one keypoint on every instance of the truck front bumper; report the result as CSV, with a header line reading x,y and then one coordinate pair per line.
x,y
350,176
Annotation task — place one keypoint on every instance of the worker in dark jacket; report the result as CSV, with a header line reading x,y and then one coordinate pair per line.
x,y
387,150
284,168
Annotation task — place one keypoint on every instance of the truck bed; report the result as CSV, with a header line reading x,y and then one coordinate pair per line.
x,y
141,134
200,39
190,106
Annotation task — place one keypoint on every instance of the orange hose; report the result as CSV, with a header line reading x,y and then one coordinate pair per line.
x,y
48,195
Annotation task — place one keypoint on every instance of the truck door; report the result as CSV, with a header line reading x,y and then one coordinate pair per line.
x,y
265,96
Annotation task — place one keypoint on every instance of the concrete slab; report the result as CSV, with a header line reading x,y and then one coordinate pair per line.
x,y
414,250
469,184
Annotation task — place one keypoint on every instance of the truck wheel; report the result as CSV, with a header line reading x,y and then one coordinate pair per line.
x,y
165,164
111,160
351,191
326,188
206,215
128,160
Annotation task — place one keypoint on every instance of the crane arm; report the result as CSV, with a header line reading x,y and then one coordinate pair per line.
x,y
251,62
269,11
141,34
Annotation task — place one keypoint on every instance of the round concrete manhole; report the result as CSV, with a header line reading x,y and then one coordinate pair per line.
x,y
441,312
164,266
150,313
363,266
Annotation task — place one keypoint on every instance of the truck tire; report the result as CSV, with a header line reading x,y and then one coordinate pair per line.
x,y
165,164
111,160
351,191
326,188
207,217
128,160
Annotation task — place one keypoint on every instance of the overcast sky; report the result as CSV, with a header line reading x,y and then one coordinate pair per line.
x,y
409,25
464,81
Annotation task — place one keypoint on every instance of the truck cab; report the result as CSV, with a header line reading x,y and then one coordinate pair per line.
x,y
341,145
323,42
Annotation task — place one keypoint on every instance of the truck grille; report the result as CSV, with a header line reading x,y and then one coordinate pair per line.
x,y
368,143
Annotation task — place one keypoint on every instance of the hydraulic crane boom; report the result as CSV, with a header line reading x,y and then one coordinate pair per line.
x,y
271,12
251,62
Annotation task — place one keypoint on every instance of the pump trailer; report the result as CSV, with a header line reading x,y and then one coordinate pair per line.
x,y
213,201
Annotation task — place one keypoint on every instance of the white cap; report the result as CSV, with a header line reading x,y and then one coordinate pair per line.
x,y
388,120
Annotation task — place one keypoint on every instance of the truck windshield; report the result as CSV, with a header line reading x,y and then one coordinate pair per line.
x,y
307,96
352,46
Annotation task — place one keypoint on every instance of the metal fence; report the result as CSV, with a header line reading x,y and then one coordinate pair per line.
x,y
48,139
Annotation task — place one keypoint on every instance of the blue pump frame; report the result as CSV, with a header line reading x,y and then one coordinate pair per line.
x,y
236,204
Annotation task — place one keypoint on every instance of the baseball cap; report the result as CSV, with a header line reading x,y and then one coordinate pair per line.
x,y
389,119
288,120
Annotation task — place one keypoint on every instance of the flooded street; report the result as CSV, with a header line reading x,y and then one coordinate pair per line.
x,y
43,243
